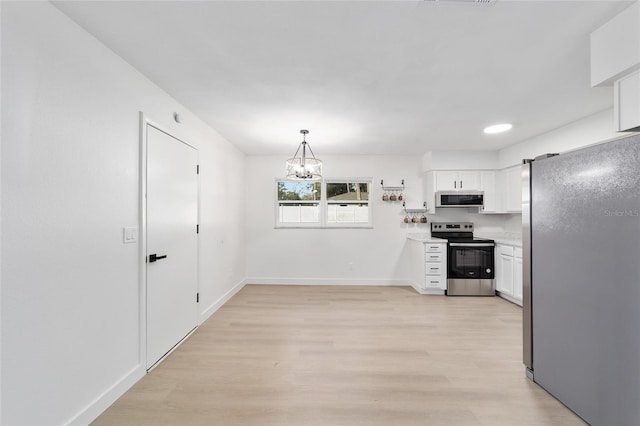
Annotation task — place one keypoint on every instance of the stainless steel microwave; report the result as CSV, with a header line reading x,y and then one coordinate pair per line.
x,y
459,198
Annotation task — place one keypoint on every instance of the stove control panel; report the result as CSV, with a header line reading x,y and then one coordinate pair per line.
x,y
452,226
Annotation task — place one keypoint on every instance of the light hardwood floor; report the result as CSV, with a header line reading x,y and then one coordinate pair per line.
x,y
327,355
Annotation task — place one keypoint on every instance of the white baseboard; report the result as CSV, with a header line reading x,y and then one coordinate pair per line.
x,y
326,281
416,286
102,402
204,315
509,298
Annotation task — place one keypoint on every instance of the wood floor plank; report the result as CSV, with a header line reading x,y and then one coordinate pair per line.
x,y
334,355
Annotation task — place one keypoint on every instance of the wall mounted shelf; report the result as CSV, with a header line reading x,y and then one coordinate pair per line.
x,y
390,192
420,210
415,214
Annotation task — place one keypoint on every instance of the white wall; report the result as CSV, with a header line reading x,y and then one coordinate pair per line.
x,y
586,131
322,256
70,165
460,160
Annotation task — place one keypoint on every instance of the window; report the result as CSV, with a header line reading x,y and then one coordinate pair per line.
x,y
331,203
347,202
299,202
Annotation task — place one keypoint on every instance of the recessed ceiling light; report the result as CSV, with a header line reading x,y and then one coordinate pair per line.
x,y
498,128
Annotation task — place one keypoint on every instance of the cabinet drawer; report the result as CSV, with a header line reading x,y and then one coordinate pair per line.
x,y
518,252
433,248
505,250
434,257
434,269
434,282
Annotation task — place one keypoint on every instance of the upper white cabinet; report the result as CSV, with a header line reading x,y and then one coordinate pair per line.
x,y
502,188
626,105
513,189
489,186
615,60
615,47
449,180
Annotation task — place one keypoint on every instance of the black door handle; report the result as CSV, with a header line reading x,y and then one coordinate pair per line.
x,y
154,257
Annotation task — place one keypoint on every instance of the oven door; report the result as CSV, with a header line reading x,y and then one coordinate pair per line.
x,y
470,261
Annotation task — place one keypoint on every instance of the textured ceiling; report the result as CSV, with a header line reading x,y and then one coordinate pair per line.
x,y
374,77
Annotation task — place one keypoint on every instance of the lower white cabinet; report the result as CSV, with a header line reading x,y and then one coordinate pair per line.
x,y
517,275
428,269
509,272
435,266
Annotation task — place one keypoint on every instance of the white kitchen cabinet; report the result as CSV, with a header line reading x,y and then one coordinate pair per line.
x,y
513,189
615,47
517,274
509,272
504,269
453,180
627,102
429,183
488,185
446,181
428,267
435,266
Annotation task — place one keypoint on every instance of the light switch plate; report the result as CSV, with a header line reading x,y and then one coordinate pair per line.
x,y
130,235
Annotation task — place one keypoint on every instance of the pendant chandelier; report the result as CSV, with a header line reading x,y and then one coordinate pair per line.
x,y
303,167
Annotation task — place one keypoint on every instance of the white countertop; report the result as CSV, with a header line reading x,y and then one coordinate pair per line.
x,y
425,238
509,238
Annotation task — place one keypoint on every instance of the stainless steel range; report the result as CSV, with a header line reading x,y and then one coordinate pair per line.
x,y
470,260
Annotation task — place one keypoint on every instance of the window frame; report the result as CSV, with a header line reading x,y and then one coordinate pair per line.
x,y
323,205
368,224
280,224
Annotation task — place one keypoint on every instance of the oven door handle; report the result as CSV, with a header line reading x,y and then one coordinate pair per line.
x,y
471,245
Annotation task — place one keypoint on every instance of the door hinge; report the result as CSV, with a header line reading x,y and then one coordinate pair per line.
x,y
197,297
197,229
197,169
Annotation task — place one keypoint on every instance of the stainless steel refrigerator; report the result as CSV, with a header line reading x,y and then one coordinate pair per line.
x,y
581,265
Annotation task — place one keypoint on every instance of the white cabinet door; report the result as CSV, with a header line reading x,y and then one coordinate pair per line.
x,y
446,181
469,179
514,189
488,186
517,278
627,102
505,266
452,180
429,181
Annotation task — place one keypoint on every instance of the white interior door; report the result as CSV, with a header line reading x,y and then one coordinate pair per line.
x,y
172,242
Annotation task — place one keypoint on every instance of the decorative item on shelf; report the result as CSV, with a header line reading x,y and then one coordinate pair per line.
x,y
303,167
417,215
390,192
